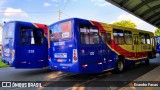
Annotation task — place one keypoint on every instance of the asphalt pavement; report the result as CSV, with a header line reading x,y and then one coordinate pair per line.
x,y
70,81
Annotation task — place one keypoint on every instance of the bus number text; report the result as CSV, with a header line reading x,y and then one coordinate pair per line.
x,y
30,51
91,53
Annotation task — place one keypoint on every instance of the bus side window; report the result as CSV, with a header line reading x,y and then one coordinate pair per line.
x,y
25,36
38,35
142,38
89,35
22,37
147,39
31,36
94,36
84,34
118,36
135,40
128,37
108,38
103,35
153,41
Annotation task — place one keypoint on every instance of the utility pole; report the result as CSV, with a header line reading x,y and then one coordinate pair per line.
x,y
59,15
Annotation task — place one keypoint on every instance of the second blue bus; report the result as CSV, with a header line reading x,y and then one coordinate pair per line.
x,y
24,44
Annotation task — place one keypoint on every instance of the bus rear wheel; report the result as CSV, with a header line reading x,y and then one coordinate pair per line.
x,y
119,66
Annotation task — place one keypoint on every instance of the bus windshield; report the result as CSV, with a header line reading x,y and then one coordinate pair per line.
x,y
31,36
61,31
8,33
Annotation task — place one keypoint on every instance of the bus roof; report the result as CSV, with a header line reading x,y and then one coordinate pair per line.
x,y
31,24
104,25
126,28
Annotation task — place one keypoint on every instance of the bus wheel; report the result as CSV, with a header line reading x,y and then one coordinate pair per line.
x,y
119,66
147,61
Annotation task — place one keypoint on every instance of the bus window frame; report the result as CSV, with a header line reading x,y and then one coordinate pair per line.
x,y
103,39
88,27
140,34
153,41
117,38
125,38
32,29
136,42
147,38
106,40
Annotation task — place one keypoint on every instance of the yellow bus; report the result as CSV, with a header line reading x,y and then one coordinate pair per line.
x,y
129,46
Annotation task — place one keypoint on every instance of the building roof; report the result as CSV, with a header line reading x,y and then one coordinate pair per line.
x,y
147,10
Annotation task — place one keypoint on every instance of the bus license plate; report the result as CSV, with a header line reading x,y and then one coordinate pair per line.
x,y
60,55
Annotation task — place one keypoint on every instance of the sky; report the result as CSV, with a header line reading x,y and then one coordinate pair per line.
x,y
46,12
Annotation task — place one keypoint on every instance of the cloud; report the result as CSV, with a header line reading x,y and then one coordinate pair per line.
x,y
5,19
56,5
47,4
12,12
100,3
132,18
140,23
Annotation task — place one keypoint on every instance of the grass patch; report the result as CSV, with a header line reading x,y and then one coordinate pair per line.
x,y
3,64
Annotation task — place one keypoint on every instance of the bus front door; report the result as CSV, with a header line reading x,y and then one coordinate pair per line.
x,y
106,51
135,46
90,50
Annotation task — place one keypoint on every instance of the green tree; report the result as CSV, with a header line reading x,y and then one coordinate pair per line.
x,y
157,32
125,23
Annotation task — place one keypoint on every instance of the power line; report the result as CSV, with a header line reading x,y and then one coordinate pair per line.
x,y
65,14
61,11
65,6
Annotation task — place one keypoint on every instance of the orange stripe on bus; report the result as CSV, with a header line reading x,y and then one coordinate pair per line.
x,y
35,25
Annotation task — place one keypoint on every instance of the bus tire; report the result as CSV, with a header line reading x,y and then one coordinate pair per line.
x,y
119,66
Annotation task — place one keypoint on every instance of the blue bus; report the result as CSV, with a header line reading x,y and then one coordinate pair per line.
x,y
24,44
85,46
158,44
